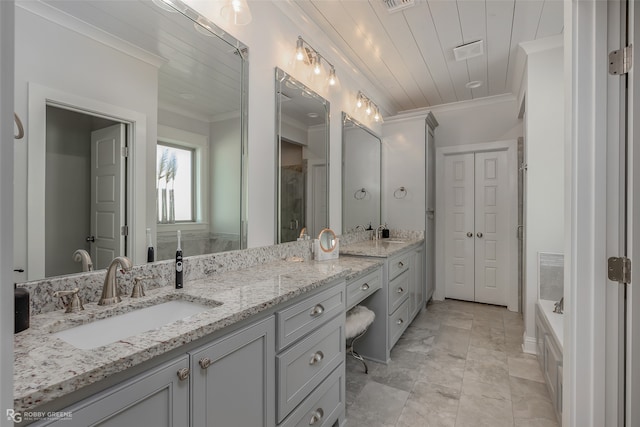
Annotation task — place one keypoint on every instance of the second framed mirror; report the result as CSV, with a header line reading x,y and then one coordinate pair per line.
x,y
361,179
302,160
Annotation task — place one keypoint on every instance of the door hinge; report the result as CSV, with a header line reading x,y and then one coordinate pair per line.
x,y
125,151
124,230
620,60
619,269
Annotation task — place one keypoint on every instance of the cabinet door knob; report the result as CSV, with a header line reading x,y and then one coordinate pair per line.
x,y
365,287
400,290
317,310
469,234
479,234
400,322
401,264
205,362
316,416
183,374
316,358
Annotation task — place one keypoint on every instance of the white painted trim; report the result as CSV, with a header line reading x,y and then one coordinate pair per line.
x,y
585,72
72,23
511,147
38,99
453,106
529,344
543,44
7,144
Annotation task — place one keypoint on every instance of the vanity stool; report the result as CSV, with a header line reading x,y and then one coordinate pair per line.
x,y
359,318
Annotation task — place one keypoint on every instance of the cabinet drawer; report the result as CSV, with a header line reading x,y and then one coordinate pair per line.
x,y
300,319
362,287
323,407
398,291
305,365
398,322
399,264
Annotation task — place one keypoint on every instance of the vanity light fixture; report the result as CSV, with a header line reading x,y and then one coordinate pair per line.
x,y
313,58
370,106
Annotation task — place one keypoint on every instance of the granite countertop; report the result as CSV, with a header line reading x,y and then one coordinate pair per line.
x,y
46,367
382,248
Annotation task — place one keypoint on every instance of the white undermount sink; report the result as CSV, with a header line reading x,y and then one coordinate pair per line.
x,y
111,329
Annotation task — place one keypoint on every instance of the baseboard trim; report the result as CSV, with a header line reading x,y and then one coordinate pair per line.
x,y
529,344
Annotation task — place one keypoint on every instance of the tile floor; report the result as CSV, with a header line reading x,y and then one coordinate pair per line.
x,y
458,364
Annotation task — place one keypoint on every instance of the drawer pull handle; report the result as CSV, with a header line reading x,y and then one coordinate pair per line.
x,y
401,264
400,290
205,362
317,310
183,374
400,322
365,287
316,358
316,416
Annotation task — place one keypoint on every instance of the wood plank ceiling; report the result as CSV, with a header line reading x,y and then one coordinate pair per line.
x,y
408,54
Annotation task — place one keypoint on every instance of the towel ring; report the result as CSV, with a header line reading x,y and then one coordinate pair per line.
x,y
400,193
20,134
360,194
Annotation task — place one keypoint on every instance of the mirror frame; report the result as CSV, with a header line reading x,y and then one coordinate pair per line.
x,y
280,77
327,232
346,117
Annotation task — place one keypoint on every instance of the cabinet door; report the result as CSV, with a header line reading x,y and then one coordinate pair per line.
x,y
233,379
155,398
418,283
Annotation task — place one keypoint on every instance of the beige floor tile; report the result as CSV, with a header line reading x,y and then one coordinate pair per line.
x,y
536,422
484,412
527,368
378,405
487,371
430,405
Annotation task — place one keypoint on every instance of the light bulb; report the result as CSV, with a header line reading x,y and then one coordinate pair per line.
x,y
316,66
376,117
299,49
368,110
359,101
332,76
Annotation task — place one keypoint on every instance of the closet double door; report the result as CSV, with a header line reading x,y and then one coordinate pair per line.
x,y
476,197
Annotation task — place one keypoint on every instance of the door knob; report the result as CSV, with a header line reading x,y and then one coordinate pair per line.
x,y
469,234
91,238
479,234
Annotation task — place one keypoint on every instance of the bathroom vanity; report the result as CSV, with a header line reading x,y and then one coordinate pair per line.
x,y
549,337
401,295
267,351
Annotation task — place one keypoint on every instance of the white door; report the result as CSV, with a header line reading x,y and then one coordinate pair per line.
x,y
107,195
459,245
476,213
491,227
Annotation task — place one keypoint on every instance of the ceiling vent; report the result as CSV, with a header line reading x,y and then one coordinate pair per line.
x,y
468,50
397,5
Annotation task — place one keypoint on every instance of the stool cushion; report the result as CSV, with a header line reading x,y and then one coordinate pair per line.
x,y
358,320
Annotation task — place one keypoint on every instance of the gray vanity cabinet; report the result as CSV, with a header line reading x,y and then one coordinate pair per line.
x,y
417,289
158,397
550,358
232,379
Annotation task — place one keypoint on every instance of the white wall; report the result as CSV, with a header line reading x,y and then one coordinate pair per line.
x,y
106,76
461,123
544,156
7,144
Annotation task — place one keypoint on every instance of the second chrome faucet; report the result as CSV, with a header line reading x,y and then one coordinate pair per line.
x,y
110,294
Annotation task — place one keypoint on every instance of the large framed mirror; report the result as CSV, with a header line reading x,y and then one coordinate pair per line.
x,y
302,157
136,128
361,176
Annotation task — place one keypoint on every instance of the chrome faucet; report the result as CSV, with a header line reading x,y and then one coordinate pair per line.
x,y
558,307
376,234
109,289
